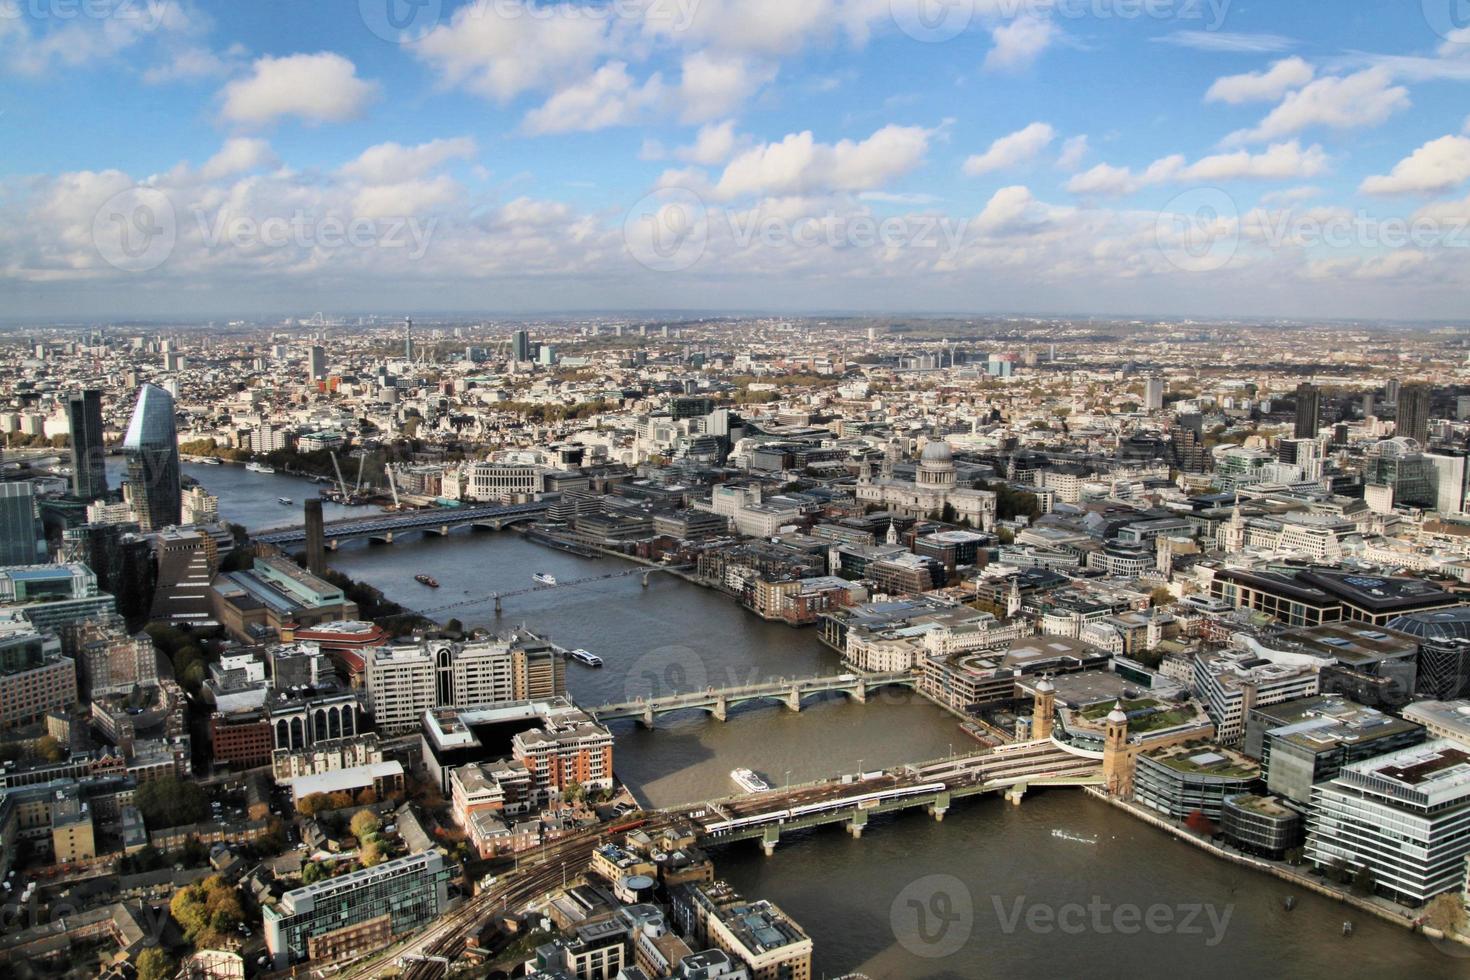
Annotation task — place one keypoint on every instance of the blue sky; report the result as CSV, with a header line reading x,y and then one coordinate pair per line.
x,y
1172,157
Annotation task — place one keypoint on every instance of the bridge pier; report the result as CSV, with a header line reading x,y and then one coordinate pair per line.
x,y
497,605
770,837
940,807
1014,794
385,538
721,710
860,693
858,822
647,720
332,545
793,699
645,579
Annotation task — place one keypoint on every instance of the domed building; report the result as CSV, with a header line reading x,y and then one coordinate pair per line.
x,y
934,486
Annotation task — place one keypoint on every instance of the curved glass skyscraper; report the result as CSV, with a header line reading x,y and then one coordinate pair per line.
x,y
152,447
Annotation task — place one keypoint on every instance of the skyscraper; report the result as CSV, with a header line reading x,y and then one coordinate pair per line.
x,y
521,344
1308,410
88,453
316,551
317,363
1153,394
408,338
1414,412
152,447
22,542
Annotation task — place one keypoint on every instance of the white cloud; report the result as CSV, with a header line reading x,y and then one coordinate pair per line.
x,y
1074,150
1008,151
1456,45
321,87
1020,43
103,33
713,144
501,56
1262,86
763,27
400,200
1438,165
1227,41
608,97
1366,98
389,163
1280,161
798,164
238,155
713,86
194,62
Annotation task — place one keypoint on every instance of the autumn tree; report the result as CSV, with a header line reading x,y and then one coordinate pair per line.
x,y
207,910
154,964
1446,913
364,823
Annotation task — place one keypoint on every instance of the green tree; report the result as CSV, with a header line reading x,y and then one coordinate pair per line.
x,y
1161,596
154,964
171,802
312,873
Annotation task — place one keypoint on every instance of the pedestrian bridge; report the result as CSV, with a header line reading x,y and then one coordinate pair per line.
x,y
432,522
718,701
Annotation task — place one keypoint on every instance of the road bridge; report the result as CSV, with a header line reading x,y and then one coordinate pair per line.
x,y
718,701
383,529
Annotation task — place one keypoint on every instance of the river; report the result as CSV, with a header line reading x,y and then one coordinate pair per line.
x,y
989,892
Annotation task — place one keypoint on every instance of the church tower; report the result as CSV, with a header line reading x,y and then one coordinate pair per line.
x,y
1044,710
1117,759
1013,598
892,537
1233,538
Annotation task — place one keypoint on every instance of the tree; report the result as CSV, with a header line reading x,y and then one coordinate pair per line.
x,y
312,873
207,910
1365,882
171,802
364,823
1161,596
154,964
1446,912
367,797
372,853
311,805
48,747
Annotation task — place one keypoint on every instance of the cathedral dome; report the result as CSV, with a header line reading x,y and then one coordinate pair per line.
x,y
937,451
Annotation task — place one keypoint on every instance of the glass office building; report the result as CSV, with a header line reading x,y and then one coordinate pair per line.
x,y
152,447
357,912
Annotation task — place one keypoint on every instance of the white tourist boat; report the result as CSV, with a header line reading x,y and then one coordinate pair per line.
x,y
747,780
586,658
544,578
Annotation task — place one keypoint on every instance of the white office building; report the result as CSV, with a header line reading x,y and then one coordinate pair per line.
x,y
1404,816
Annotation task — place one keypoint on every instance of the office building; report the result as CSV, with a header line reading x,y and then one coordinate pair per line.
x,y
521,344
1413,419
316,546
1229,683
88,449
1405,817
757,934
1308,410
22,541
1153,394
1308,741
357,912
1180,780
1442,719
152,448
1261,825
316,364
53,597
274,597
569,749
34,676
